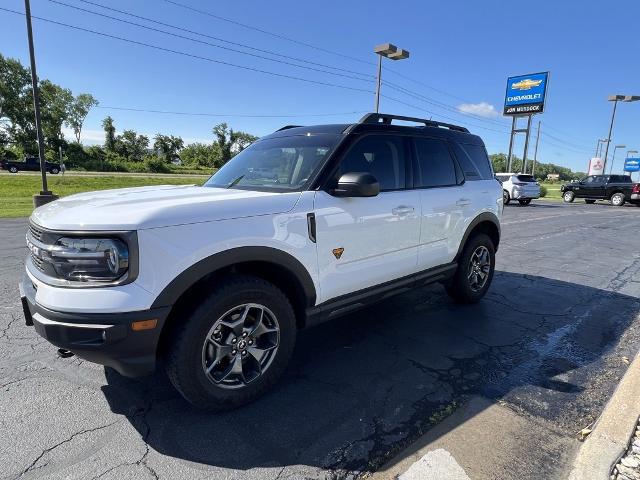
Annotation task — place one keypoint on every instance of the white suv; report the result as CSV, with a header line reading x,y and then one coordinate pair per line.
x,y
518,186
306,224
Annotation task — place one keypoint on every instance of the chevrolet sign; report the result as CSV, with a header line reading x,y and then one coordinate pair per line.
x,y
526,94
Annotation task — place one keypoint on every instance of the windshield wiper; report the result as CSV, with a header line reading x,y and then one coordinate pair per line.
x,y
235,182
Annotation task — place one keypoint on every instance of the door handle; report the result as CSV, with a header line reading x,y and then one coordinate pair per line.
x,y
463,201
402,210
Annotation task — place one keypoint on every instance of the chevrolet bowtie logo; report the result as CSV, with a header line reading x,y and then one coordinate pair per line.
x,y
337,252
526,84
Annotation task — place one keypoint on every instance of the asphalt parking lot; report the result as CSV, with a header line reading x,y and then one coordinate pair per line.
x,y
548,341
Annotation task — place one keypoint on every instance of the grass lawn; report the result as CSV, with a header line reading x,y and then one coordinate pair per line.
x,y
553,191
16,191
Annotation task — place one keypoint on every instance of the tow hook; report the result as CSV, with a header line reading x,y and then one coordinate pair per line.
x,y
62,353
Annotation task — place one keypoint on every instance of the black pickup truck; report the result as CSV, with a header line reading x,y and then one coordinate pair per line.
x,y
616,188
29,164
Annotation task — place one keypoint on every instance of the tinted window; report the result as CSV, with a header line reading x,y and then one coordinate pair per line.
x,y
435,165
526,178
474,161
382,156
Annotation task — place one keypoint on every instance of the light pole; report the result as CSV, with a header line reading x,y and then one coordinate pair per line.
x,y
390,51
600,142
613,157
615,99
45,195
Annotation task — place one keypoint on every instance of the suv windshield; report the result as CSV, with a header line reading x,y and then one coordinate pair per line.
x,y
279,164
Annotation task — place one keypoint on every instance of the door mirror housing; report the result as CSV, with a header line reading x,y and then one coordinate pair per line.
x,y
356,184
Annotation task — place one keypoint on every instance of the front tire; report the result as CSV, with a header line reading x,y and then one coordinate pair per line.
x,y
506,198
55,171
617,199
234,346
524,202
568,197
475,270
13,169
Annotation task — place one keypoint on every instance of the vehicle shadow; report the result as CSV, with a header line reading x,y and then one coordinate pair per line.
x,y
362,386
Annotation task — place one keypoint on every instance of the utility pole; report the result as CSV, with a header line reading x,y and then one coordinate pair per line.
x,y
526,145
535,153
513,129
45,195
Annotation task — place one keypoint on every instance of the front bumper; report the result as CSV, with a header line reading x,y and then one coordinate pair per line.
x,y
104,338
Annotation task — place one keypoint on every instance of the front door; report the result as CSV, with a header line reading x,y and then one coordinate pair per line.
x,y
362,242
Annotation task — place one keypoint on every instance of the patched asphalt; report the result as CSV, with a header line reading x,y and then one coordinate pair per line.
x,y
548,341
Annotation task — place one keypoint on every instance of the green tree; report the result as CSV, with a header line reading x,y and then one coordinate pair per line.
x,y
16,105
200,154
109,134
55,104
78,111
131,145
167,146
230,142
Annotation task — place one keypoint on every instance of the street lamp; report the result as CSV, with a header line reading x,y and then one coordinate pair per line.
x,y
390,51
613,157
600,141
615,99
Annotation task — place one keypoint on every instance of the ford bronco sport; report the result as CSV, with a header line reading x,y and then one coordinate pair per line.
x,y
306,224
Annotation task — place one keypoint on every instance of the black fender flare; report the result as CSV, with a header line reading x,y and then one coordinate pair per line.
x,y
483,217
187,278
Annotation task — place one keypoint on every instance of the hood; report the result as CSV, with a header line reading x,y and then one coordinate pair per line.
x,y
158,206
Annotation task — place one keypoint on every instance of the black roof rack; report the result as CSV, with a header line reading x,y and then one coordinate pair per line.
x,y
287,127
386,118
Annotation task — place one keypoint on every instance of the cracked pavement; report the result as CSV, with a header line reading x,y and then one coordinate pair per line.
x,y
547,342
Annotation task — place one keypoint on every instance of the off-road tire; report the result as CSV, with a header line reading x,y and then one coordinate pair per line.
x,y
183,360
459,288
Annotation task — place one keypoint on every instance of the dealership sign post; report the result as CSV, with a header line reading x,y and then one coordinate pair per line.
x,y
525,96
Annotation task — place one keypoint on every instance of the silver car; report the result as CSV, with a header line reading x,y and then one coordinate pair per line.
x,y
518,186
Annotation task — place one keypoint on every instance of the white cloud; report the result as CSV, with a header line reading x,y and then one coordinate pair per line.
x,y
482,109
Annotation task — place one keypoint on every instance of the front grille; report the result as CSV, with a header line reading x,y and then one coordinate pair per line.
x,y
38,262
35,231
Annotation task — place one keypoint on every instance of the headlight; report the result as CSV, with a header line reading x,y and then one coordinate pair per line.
x,y
80,259
88,259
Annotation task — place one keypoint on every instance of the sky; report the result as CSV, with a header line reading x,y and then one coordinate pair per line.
x,y
461,53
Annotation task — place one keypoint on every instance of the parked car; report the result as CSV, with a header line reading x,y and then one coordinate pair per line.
x,y
214,281
618,189
29,164
518,186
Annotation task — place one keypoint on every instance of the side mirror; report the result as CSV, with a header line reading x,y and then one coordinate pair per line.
x,y
357,184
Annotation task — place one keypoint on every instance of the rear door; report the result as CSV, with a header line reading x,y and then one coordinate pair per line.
x,y
362,242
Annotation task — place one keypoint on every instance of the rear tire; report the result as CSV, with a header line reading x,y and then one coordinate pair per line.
x,y
617,199
506,198
590,202
568,197
13,169
234,346
524,202
55,171
478,258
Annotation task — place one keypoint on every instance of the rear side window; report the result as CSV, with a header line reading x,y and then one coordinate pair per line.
x,y
620,179
474,161
526,178
380,155
435,165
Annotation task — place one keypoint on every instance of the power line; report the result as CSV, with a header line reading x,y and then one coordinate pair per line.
x,y
186,54
242,115
176,35
249,47
266,32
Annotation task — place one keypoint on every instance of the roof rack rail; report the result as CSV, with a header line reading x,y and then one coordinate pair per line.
x,y
386,118
287,127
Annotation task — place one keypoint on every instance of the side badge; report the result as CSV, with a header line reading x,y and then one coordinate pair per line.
x,y
337,252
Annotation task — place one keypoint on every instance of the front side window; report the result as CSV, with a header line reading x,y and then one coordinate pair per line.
x,y
381,156
435,165
278,164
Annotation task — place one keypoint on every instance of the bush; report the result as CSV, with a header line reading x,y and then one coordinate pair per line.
x,y
155,165
543,191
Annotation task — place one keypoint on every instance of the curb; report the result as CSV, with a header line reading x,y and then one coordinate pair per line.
x,y
610,436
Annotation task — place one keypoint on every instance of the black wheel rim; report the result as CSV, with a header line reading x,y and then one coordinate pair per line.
x,y
240,346
479,268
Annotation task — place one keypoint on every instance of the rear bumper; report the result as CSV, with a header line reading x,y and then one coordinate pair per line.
x,y
104,338
635,197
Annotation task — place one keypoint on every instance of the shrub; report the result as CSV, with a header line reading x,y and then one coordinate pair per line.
x,y
543,191
156,165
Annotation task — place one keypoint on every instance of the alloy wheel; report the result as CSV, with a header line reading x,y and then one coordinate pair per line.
x,y
479,268
240,346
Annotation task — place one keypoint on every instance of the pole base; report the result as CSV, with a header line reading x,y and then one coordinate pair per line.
x,y
43,198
